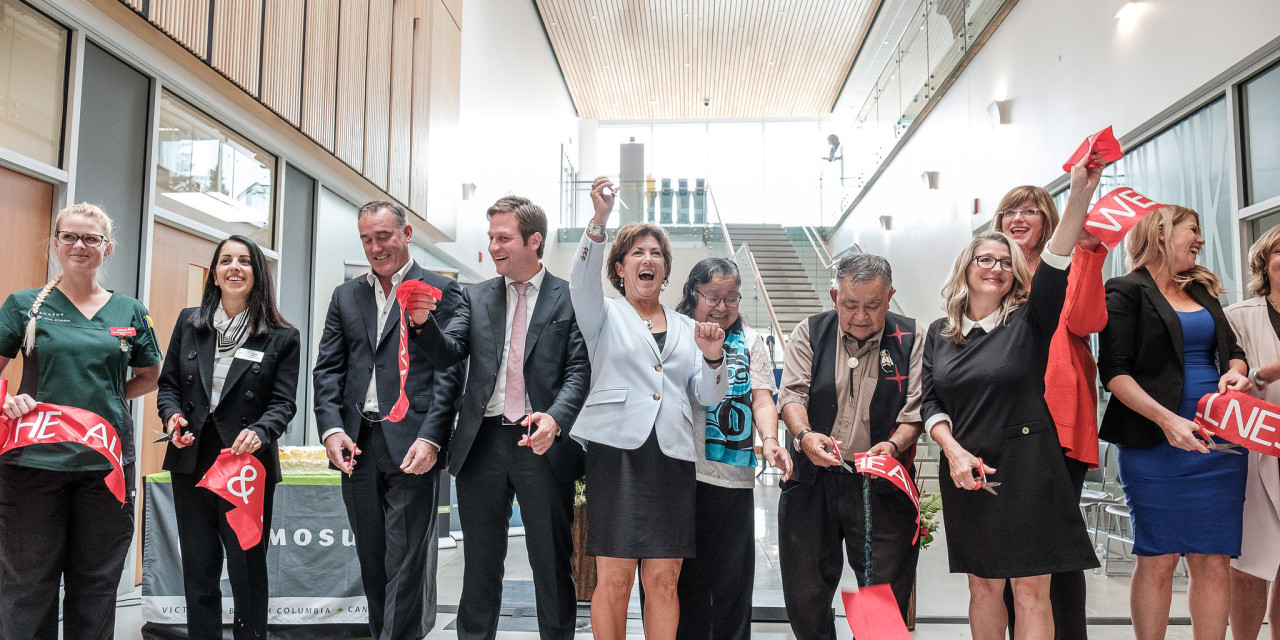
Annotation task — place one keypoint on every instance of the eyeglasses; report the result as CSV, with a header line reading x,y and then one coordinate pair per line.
x,y
714,301
988,262
89,239
1026,213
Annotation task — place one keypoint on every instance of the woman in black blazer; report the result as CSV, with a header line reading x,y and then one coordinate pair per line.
x,y
1166,345
230,378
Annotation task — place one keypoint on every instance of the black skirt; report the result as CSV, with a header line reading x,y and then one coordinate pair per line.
x,y
640,502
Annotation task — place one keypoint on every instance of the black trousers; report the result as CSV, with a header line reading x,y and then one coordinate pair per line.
x,y
497,469
814,521
393,517
1067,589
61,526
715,587
203,534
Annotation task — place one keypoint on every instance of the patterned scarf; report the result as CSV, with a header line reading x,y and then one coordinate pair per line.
x,y
729,439
232,332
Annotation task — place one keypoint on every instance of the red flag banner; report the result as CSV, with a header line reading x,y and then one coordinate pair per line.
x,y
1104,142
890,469
1241,418
49,423
240,480
1116,213
406,289
873,613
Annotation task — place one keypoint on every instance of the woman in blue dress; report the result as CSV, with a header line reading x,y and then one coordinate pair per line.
x,y
1166,345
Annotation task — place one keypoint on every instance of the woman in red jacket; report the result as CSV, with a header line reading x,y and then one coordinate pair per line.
x,y
1028,216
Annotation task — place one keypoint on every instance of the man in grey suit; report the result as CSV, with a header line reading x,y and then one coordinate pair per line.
x,y
528,375
391,473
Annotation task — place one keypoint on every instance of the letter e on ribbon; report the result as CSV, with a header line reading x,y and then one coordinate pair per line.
x,y
240,480
1242,419
1116,213
406,289
890,469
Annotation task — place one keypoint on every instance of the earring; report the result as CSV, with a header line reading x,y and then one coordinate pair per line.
x,y
664,285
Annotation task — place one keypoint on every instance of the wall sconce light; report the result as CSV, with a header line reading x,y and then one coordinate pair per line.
x,y
930,179
1001,112
468,190
886,223
1120,7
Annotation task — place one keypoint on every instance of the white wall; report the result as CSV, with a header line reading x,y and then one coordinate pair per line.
x,y
1071,68
515,114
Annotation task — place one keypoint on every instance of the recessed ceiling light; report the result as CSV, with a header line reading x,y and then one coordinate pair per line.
x,y
593,17
553,24
771,63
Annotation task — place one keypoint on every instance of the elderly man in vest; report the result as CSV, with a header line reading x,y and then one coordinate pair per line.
x,y
850,384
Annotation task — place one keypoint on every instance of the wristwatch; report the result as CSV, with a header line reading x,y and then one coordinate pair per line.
x,y
596,229
1255,376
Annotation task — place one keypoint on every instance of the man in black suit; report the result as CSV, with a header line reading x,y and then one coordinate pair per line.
x,y
528,377
391,476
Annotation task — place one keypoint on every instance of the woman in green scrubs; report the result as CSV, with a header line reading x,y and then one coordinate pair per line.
x,y
58,520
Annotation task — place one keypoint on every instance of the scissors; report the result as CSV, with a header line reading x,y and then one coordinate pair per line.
x,y
164,437
836,448
980,474
1229,447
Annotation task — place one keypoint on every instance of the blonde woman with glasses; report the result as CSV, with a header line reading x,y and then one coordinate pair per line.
x,y
1011,512
60,522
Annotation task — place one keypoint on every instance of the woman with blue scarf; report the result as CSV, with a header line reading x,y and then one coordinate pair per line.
x,y
715,587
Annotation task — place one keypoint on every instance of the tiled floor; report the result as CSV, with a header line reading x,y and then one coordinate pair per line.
x,y
942,597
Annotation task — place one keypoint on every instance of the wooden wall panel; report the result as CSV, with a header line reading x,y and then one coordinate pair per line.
x,y
285,21
421,106
445,180
377,108
320,71
402,50
186,21
136,5
353,49
237,42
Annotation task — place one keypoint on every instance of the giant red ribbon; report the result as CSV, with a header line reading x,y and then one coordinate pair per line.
x,y
406,289
890,469
1241,418
873,613
49,423
240,480
1116,213
1104,142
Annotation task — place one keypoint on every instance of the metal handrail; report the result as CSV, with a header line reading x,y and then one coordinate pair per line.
x,y
723,227
768,303
818,247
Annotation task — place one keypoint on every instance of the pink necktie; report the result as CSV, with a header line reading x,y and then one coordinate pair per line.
x,y
513,403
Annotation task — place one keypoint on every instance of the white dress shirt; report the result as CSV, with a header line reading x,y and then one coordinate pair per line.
x,y
499,397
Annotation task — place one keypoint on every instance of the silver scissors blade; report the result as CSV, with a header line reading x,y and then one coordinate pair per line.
x,y
989,487
1229,447
164,437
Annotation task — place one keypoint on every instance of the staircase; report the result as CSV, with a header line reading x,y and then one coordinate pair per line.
x,y
789,287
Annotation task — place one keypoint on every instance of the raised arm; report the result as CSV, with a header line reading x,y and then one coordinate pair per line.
x,y
585,287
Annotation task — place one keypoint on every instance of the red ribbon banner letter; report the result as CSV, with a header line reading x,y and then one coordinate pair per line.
x,y
49,423
1116,213
406,289
890,469
240,480
1104,142
1242,419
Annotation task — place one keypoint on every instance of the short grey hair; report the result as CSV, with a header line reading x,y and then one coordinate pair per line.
x,y
400,213
863,267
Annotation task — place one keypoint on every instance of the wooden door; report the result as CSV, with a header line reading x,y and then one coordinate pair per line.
x,y
26,214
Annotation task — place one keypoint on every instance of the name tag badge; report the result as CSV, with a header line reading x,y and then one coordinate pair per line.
x,y
248,354
121,332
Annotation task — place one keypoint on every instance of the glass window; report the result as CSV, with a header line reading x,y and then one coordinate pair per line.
x,y
33,80
211,175
1260,98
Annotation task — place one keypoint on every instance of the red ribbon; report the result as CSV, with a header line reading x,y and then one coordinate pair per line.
x,y
1116,213
49,423
1241,418
406,289
888,467
873,612
240,480
1104,142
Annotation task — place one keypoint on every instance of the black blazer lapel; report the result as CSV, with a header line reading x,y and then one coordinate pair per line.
x,y
496,300
547,299
239,365
206,345
368,304
1163,309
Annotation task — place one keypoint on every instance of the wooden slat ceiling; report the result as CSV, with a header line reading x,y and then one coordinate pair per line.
x,y
660,59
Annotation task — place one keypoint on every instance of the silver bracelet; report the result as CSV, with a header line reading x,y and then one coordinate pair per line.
x,y
1255,376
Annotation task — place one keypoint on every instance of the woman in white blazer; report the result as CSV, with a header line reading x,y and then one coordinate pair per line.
x,y
1256,323
651,370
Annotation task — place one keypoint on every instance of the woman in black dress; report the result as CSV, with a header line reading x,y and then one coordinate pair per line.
x,y
984,367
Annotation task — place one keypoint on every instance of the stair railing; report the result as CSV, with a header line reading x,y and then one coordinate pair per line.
x,y
819,247
743,257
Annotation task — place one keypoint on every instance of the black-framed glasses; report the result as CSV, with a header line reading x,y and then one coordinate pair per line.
x,y
1026,213
988,262
714,301
89,239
